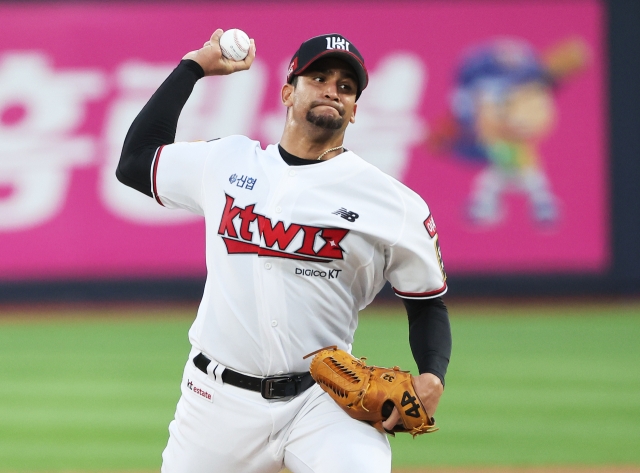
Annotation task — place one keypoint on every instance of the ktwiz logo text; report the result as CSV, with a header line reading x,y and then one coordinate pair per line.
x,y
296,241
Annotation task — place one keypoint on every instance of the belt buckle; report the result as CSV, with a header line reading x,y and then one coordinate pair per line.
x,y
266,386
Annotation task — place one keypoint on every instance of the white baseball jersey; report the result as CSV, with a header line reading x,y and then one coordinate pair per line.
x,y
294,252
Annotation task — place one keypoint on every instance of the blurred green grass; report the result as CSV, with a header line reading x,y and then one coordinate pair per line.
x,y
527,385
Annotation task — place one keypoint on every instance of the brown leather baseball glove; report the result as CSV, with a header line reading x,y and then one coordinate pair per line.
x,y
369,393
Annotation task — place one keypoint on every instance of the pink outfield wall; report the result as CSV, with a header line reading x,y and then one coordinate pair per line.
x,y
73,76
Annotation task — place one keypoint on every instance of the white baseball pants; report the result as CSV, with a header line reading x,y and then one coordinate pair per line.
x,y
219,428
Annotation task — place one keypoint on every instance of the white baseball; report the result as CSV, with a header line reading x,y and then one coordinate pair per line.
x,y
234,44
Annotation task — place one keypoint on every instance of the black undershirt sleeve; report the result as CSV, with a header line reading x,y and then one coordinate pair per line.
x,y
429,335
155,126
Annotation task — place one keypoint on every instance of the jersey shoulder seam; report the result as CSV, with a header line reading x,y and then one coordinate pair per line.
x,y
393,184
221,141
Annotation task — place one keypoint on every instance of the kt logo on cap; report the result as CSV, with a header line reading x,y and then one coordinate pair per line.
x,y
336,42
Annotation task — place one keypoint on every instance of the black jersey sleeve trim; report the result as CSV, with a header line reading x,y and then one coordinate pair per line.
x,y
155,126
429,335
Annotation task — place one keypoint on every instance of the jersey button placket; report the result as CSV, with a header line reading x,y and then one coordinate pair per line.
x,y
272,298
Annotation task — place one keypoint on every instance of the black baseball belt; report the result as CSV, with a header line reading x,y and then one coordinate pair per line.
x,y
271,387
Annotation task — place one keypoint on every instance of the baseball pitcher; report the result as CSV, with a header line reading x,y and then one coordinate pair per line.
x,y
300,236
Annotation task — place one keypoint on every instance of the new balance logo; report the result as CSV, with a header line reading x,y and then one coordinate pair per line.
x,y
336,42
346,214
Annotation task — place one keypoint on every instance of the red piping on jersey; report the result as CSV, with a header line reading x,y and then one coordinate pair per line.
x,y
422,294
155,171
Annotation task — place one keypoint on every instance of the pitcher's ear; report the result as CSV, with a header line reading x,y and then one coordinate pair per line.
x,y
286,93
353,116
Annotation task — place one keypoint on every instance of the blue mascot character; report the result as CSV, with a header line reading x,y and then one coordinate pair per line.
x,y
502,107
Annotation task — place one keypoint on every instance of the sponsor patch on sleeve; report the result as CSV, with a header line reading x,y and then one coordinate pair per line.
x,y
430,225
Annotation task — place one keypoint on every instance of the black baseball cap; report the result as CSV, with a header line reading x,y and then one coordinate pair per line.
x,y
328,45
